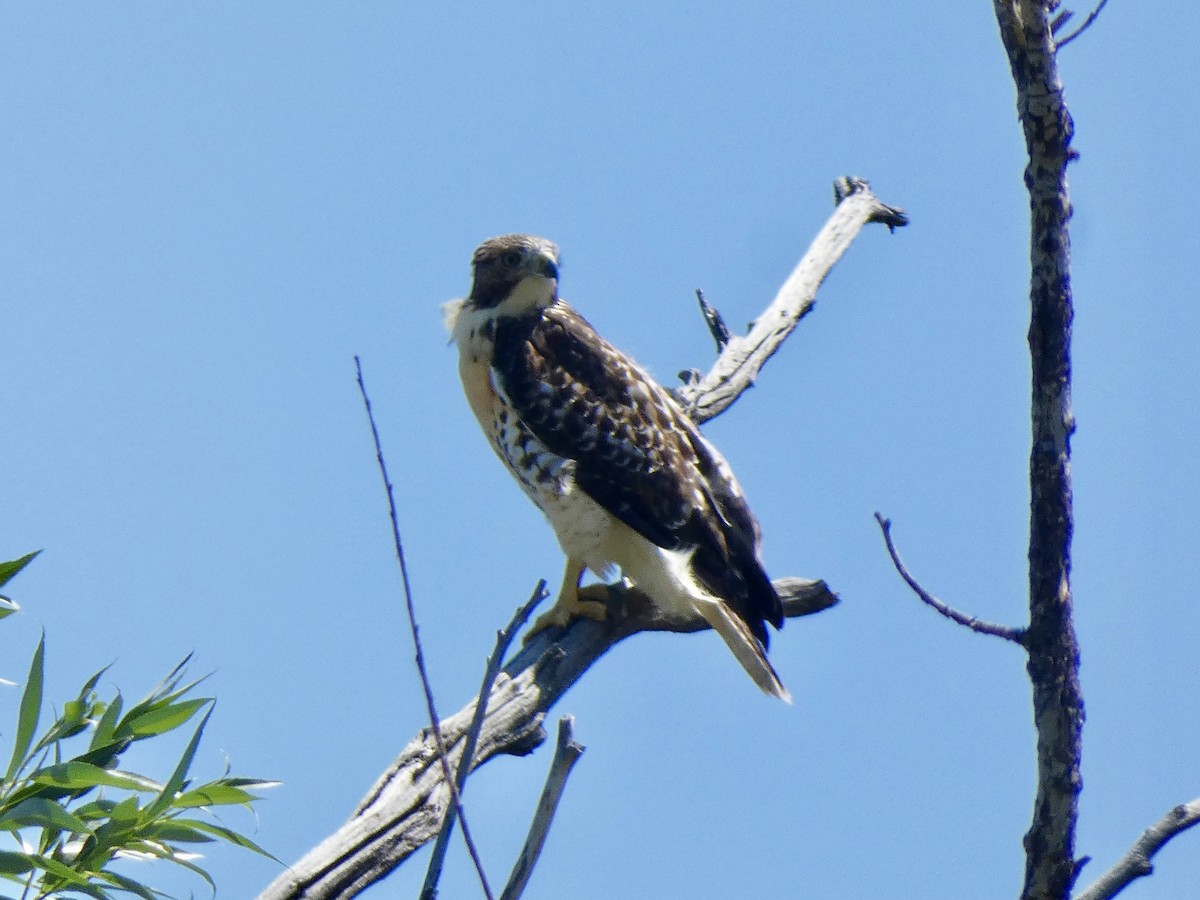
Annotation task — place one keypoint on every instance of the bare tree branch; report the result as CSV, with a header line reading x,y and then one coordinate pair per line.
x,y
714,320
412,623
1050,868
406,806
503,639
1136,861
566,754
743,357
1087,23
1016,635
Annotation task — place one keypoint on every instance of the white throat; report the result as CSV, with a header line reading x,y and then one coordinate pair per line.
x,y
532,292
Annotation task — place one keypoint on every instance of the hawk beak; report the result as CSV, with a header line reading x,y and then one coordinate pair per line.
x,y
545,265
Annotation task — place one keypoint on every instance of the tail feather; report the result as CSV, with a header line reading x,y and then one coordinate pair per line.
x,y
745,646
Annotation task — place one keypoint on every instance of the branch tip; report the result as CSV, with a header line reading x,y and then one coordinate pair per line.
x,y
1136,863
1062,19
503,639
1008,633
566,753
849,185
434,720
716,323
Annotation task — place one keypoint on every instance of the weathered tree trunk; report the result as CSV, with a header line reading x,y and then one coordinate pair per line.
x,y
1050,868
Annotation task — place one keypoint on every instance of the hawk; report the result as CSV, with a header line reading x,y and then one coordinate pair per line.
x,y
624,476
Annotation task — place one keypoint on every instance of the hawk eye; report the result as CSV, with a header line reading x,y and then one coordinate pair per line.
x,y
511,259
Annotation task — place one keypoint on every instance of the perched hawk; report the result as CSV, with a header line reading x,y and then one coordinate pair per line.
x,y
624,476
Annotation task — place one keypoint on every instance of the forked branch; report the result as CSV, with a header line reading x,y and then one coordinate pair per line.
x,y
742,358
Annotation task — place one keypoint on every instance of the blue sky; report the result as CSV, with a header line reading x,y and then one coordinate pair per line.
x,y
206,209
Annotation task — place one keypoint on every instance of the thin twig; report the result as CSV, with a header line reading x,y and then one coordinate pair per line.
x,y
566,754
1058,45
503,640
1136,861
1016,635
412,622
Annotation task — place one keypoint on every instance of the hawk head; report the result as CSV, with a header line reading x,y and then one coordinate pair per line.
x,y
514,274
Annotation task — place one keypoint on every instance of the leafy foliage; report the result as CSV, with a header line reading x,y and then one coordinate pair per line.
x,y
69,808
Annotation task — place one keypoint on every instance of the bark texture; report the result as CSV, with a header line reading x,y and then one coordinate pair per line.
x,y
1053,666
1136,863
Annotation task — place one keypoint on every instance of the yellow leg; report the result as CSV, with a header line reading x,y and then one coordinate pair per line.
x,y
573,602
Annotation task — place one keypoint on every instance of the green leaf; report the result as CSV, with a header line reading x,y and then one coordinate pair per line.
x,y
61,871
177,831
167,796
254,784
130,886
160,719
11,568
125,814
90,684
38,812
106,728
31,707
215,794
82,776
229,835
187,864
8,607
15,863
106,757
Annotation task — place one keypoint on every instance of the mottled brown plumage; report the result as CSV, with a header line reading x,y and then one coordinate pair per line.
x,y
635,452
624,476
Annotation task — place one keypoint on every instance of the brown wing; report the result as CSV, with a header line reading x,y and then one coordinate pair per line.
x,y
635,452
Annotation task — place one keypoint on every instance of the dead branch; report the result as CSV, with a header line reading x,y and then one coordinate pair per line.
x,y
405,808
408,803
715,321
1087,23
566,754
1050,866
743,357
456,799
1016,635
1136,862
503,639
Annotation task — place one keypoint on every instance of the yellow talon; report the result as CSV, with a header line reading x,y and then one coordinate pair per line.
x,y
573,602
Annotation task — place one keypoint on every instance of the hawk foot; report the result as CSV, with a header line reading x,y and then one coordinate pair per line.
x,y
590,602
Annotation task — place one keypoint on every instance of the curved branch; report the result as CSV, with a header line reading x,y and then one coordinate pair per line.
x,y
1016,635
1087,23
1136,862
